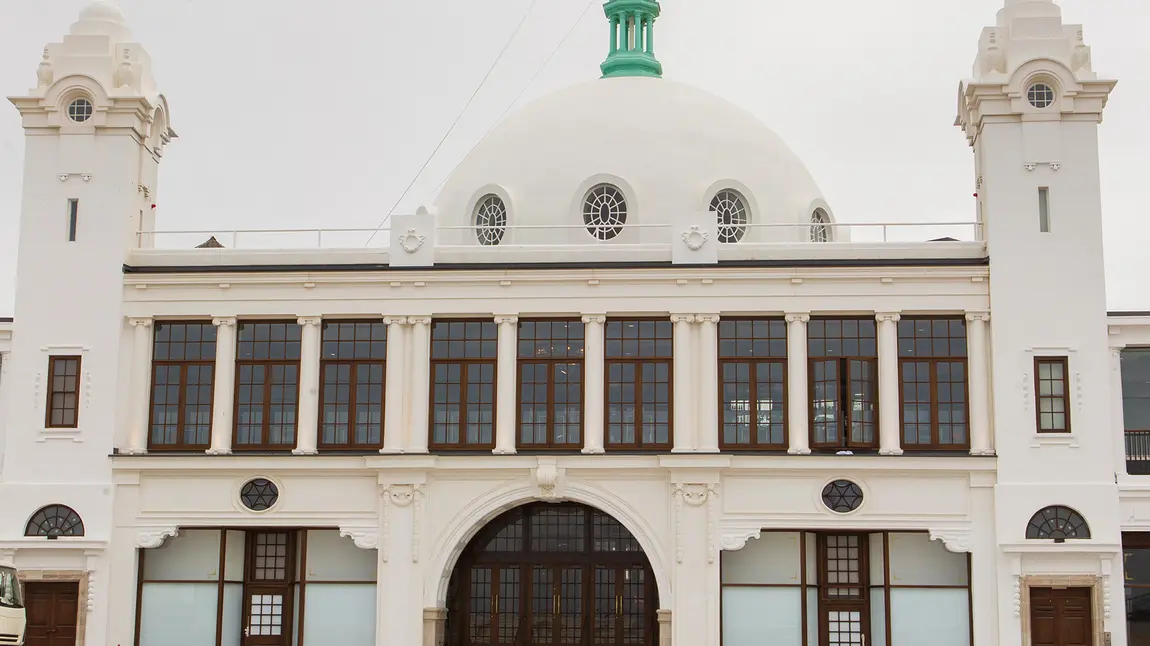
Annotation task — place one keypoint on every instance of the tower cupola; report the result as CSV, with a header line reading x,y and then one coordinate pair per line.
x,y
632,39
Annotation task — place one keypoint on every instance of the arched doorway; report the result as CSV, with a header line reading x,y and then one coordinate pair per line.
x,y
548,574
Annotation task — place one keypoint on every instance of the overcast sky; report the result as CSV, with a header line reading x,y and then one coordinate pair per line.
x,y
297,114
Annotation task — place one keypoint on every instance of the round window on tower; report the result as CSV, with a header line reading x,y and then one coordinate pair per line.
x,y
731,212
490,220
80,110
604,212
1040,95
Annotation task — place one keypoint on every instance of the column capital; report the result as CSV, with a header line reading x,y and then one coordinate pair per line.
x,y
509,319
978,316
419,320
707,318
595,318
893,317
140,321
223,321
395,320
310,320
682,318
798,317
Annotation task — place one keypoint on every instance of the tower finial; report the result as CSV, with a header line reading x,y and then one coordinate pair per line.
x,y
632,39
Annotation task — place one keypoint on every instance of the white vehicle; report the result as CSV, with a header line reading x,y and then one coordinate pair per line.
x,y
12,618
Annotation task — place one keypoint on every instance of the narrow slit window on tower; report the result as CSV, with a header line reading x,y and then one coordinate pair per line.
x,y
73,215
1044,209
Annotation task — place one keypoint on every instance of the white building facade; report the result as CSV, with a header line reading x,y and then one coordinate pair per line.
x,y
653,393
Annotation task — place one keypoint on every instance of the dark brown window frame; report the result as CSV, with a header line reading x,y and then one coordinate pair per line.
x,y
934,402
1065,397
52,392
268,364
639,362
354,365
551,364
754,363
843,378
181,405
465,367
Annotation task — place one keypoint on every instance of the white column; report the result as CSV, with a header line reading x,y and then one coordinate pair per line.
x,y
1117,415
594,388
419,367
307,420
889,434
506,377
683,394
707,391
139,384
977,357
798,397
224,379
395,402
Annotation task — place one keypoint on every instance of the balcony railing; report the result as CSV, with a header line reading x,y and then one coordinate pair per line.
x,y
1138,453
652,236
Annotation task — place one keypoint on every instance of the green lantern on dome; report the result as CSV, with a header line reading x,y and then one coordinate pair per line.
x,y
632,39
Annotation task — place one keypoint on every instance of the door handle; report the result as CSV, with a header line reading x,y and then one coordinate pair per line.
x,y
618,604
495,600
556,606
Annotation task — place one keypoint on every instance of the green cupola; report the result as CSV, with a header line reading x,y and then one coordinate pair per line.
x,y
632,39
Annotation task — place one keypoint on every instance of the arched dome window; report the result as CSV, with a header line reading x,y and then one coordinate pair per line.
x,y
820,231
55,521
80,110
490,220
604,211
731,212
1059,523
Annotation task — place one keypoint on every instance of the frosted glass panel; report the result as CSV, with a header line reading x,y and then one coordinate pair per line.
x,y
812,560
939,617
917,560
774,558
877,616
759,616
234,556
194,555
178,614
342,610
812,616
877,575
233,612
332,558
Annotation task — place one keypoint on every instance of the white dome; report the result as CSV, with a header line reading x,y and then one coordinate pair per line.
x,y
101,18
670,147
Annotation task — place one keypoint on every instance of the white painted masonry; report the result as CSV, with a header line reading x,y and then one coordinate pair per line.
x,y
413,507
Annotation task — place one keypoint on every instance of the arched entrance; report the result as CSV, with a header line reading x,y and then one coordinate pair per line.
x,y
552,574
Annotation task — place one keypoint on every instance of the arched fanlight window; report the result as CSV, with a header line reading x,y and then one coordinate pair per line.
x,y
820,229
490,220
731,212
1059,523
55,521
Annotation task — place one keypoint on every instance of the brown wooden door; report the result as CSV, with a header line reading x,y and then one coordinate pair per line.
x,y
52,610
268,591
1060,617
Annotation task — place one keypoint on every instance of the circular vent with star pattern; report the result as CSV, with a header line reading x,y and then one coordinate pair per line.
x,y
259,494
842,496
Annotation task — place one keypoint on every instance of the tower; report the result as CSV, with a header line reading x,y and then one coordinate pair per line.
x,y
95,131
1031,113
632,39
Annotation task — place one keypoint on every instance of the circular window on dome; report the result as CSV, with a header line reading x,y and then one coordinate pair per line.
x,y
604,212
490,220
259,494
731,212
1040,95
820,232
842,496
80,110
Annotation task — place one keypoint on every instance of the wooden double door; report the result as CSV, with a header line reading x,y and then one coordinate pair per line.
x,y
52,610
269,588
1061,617
552,575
